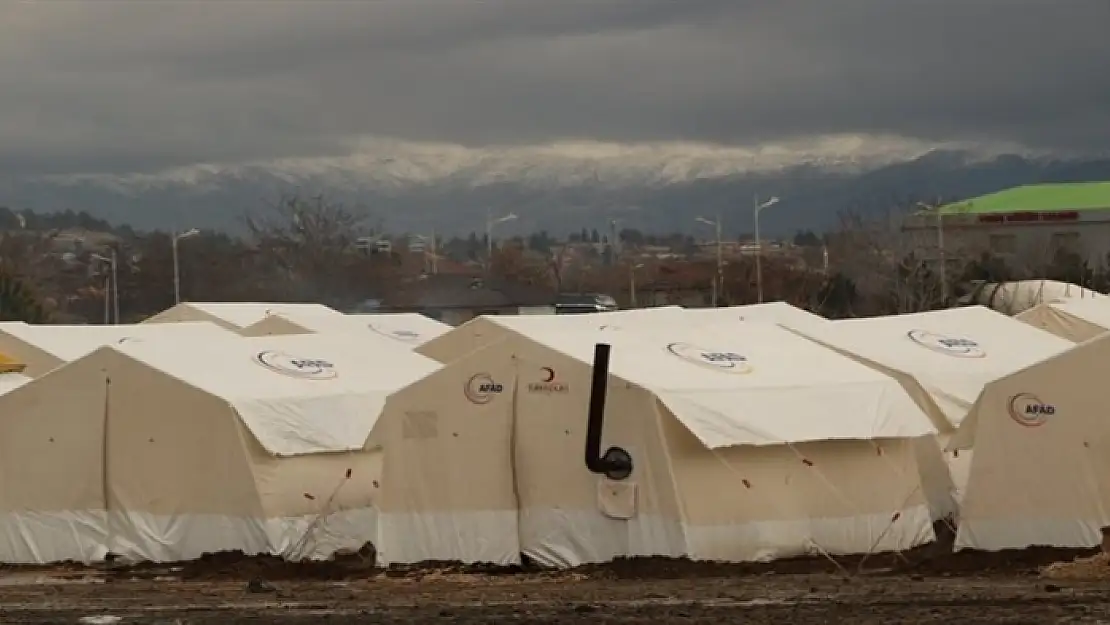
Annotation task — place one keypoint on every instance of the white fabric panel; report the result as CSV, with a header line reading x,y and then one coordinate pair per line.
x,y
70,342
782,388
157,538
410,329
771,417
771,540
243,314
1039,471
294,412
552,541
1014,533
914,344
87,536
28,537
467,536
770,312
1093,310
11,381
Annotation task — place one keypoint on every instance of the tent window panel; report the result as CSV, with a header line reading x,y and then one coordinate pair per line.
x,y
420,424
1003,244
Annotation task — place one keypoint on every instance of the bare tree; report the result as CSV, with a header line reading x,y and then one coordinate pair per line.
x,y
312,241
557,266
893,271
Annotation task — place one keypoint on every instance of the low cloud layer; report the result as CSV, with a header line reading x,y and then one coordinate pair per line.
x,y
111,85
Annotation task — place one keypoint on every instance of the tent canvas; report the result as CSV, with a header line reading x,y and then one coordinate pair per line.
x,y
411,329
756,445
1076,319
951,353
770,312
238,315
485,329
945,358
43,348
1042,455
12,380
166,450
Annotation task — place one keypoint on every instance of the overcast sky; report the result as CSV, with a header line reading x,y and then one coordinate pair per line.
x,y
94,85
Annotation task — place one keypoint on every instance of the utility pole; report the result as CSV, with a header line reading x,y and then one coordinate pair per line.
x,y
756,209
718,292
115,286
719,281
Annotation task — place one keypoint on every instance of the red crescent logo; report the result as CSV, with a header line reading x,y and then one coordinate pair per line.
x,y
549,374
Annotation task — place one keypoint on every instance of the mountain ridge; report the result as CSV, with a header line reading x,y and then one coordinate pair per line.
x,y
565,187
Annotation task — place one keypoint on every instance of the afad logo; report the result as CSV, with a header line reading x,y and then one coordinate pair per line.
x,y
407,336
481,388
548,383
295,367
951,345
729,362
1028,410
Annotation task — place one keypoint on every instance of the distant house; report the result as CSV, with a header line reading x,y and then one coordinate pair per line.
x,y
455,299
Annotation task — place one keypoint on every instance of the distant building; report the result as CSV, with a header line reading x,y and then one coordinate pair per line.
x,y
1029,224
455,299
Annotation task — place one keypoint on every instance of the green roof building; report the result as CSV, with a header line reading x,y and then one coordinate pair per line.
x,y
1074,196
1029,224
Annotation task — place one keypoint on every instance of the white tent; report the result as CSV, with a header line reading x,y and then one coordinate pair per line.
x,y
770,312
43,348
408,328
165,450
485,329
1012,298
951,355
1041,470
238,315
1075,319
750,446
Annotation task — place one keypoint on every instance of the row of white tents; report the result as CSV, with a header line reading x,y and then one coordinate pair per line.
x,y
754,432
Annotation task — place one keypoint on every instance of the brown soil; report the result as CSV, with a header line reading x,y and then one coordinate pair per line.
x,y
924,588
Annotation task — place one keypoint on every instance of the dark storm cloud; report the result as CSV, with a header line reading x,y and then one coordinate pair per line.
x,y
105,85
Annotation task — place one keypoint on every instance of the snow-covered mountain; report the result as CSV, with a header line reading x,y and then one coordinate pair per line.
x,y
563,186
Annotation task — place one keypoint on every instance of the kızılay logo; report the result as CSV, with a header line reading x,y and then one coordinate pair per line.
x,y
548,383
296,367
957,346
729,362
1028,410
481,388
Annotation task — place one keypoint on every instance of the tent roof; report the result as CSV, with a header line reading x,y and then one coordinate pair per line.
x,y
408,328
243,314
297,394
770,312
9,381
70,342
1093,310
753,385
952,353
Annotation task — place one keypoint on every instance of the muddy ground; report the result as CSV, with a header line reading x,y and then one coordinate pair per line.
x,y
960,588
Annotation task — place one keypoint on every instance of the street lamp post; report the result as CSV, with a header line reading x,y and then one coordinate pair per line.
x,y
114,286
490,223
757,207
632,284
940,248
719,283
431,262
177,236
